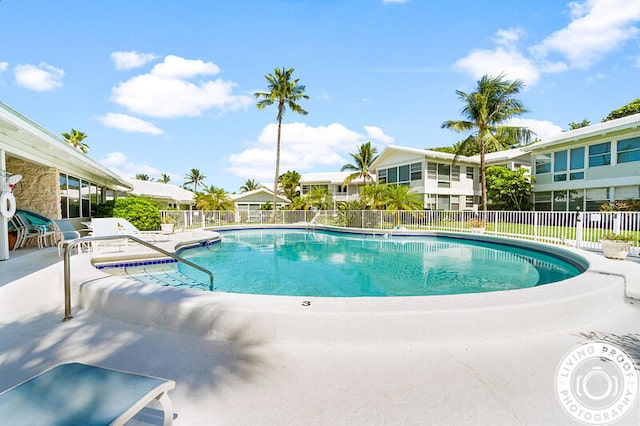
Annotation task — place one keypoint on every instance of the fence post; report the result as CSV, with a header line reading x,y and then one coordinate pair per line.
x,y
579,230
535,226
616,223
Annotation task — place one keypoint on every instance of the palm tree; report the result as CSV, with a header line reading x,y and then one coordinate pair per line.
x,y
75,139
400,197
250,185
290,182
164,178
486,110
319,197
196,178
142,176
285,92
374,194
214,198
362,160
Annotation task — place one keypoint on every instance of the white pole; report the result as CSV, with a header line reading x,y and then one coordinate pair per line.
x,y
4,226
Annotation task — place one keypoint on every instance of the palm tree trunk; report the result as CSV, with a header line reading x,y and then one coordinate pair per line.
x,y
483,179
275,181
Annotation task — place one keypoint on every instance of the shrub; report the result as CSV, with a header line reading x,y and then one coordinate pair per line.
x,y
141,212
617,237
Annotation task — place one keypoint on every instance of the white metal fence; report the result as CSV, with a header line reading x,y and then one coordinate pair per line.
x,y
582,230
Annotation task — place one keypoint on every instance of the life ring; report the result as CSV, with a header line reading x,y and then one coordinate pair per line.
x,y
7,205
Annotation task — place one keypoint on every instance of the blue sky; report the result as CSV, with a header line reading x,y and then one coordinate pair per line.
x,y
166,86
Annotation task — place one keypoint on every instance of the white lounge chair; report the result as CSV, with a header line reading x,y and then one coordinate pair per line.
x,y
130,229
81,394
103,227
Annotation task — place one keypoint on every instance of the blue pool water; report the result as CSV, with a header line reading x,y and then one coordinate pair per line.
x,y
297,262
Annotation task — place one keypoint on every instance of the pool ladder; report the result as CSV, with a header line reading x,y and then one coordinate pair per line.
x,y
69,245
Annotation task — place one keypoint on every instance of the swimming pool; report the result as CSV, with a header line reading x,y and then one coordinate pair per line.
x,y
330,264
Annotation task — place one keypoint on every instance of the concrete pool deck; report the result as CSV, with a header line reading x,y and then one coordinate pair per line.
x,y
481,379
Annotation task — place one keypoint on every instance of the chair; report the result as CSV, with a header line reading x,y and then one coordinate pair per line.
x,y
130,229
102,227
83,394
32,229
66,232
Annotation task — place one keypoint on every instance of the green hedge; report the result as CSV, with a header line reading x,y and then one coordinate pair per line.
x,y
143,213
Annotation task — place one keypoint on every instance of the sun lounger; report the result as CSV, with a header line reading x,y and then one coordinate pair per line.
x,y
80,394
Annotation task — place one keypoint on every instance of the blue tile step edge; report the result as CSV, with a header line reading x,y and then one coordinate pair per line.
x,y
135,263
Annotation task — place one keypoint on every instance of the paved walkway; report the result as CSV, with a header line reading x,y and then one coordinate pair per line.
x,y
240,382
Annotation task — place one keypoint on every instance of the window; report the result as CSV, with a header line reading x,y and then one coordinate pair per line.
x,y
416,171
629,150
595,198
560,161
542,201
443,202
560,201
543,164
444,172
576,200
432,170
468,201
600,154
63,196
73,195
85,201
627,192
455,173
471,173
341,189
455,203
560,178
403,173
577,159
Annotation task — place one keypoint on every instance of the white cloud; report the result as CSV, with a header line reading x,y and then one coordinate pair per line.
x,y
40,78
119,163
4,66
303,149
499,61
129,124
129,60
377,134
541,128
166,92
597,28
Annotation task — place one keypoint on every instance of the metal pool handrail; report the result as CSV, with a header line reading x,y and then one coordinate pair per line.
x,y
69,245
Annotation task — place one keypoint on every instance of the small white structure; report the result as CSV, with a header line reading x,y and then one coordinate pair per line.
x,y
248,204
166,194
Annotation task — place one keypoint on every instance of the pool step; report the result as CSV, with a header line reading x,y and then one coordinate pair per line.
x,y
164,274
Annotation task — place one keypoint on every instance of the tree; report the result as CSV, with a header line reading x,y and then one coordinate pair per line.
x,y
631,108
142,176
486,110
284,92
362,160
400,197
164,178
195,178
374,194
250,185
75,139
583,123
509,189
290,182
319,197
214,198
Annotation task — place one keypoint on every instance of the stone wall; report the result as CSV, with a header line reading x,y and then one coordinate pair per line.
x,y
38,190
